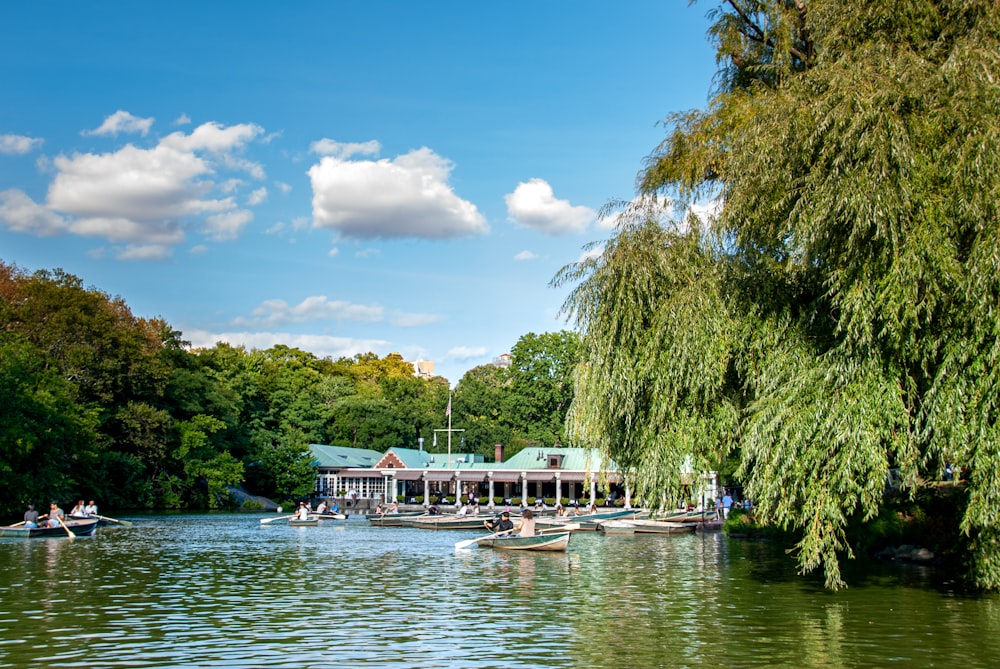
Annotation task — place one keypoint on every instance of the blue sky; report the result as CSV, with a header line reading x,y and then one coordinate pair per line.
x,y
341,177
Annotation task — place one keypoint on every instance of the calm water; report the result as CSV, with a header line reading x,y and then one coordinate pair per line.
x,y
222,591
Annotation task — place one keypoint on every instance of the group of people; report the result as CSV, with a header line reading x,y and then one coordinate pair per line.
x,y
382,510
504,526
56,516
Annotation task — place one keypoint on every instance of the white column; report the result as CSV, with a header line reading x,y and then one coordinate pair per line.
x,y
489,504
427,491
524,488
558,489
593,490
628,496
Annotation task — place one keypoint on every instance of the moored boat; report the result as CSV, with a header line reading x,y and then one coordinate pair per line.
x,y
551,541
392,519
588,521
446,522
614,526
79,527
648,526
684,516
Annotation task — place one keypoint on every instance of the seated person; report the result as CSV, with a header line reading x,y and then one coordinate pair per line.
x,y
502,525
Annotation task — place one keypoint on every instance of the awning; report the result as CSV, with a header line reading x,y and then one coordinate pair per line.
x,y
359,474
506,477
471,475
541,476
408,474
439,476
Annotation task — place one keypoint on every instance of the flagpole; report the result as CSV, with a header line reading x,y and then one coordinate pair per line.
x,y
449,429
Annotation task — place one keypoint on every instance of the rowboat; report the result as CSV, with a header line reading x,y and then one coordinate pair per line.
x,y
80,528
684,516
614,526
648,526
392,519
588,521
311,521
331,516
553,541
446,522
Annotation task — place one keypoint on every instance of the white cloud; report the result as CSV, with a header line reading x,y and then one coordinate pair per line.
x,y
18,145
283,187
334,252
257,196
525,255
466,352
591,253
345,150
122,122
198,249
408,196
315,308
183,119
227,225
534,205
401,320
20,213
213,137
145,197
320,345
144,252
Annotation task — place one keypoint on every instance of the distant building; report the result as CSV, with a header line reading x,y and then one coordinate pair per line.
x,y
423,369
503,360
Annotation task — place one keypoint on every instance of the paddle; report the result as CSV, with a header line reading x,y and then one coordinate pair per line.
x,y
65,527
265,521
123,523
468,542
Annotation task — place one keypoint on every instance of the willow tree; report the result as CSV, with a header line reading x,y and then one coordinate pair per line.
x,y
854,150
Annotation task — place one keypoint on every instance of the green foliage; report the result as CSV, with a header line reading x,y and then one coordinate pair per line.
x,y
837,317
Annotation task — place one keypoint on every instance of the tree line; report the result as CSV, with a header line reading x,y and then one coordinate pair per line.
x,y
96,402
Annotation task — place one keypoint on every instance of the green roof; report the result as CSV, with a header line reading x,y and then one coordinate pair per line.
x,y
344,456
576,459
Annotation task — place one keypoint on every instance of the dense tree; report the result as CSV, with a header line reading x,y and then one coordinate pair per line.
x,y
541,385
854,150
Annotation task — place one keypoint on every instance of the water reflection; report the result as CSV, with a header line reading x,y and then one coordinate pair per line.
x,y
222,591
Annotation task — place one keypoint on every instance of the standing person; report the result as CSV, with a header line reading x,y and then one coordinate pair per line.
x,y
503,525
91,509
31,517
727,503
526,527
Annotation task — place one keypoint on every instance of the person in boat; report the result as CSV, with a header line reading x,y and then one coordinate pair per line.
x,y
54,515
334,508
560,511
526,528
433,510
303,512
475,509
79,511
502,525
593,508
31,517
379,509
321,509
394,507
539,505
464,511
91,509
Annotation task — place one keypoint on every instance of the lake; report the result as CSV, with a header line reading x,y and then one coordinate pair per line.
x,y
221,590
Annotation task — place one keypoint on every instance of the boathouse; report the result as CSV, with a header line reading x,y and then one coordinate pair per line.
x,y
416,476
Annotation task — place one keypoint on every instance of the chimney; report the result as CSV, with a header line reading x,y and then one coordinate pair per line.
x,y
498,453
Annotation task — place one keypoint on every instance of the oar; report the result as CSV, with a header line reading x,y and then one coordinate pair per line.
x,y
65,527
265,521
468,542
123,523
